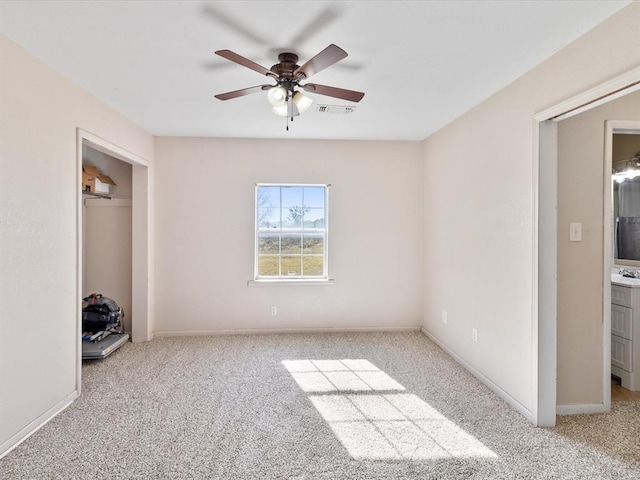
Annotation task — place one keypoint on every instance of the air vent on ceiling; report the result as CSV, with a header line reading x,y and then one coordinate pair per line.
x,y
335,109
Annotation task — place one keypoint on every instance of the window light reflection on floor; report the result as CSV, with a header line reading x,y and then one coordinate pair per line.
x,y
375,418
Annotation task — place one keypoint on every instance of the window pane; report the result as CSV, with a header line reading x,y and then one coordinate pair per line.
x,y
268,243
268,217
313,243
314,218
268,196
291,197
313,265
292,217
291,244
292,266
268,266
314,197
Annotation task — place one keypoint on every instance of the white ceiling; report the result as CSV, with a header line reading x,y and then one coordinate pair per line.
x,y
421,64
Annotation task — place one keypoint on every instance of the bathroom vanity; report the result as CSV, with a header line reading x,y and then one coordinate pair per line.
x,y
625,330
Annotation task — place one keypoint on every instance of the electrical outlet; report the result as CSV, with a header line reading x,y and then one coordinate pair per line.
x,y
444,317
274,311
474,334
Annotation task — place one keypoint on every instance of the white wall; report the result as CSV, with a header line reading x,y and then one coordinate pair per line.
x,y
479,178
204,235
580,264
40,111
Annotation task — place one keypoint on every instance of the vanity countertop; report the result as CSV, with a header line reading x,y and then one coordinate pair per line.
x,y
617,279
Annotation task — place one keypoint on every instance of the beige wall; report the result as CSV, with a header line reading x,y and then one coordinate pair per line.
x,y
580,264
204,235
625,146
39,113
107,252
479,178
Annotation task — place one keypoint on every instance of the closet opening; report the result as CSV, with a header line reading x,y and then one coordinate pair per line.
x,y
106,247
113,237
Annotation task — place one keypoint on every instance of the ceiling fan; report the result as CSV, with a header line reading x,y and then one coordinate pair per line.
x,y
285,96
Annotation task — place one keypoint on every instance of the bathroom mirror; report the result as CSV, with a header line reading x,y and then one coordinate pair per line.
x,y
625,191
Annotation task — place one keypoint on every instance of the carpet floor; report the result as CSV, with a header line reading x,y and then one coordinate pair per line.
x,y
309,406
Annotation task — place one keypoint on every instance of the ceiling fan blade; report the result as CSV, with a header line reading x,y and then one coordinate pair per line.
x,y
245,62
350,95
234,24
320,22
242,92
322,60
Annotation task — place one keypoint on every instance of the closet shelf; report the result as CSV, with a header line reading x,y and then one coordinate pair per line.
x,y
95,195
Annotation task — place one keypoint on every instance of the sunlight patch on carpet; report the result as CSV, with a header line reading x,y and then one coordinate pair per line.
x,y
375,418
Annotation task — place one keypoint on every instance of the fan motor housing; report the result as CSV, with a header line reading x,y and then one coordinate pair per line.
x,y
288,64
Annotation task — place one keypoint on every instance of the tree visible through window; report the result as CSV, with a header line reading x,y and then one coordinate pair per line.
x,y
291,231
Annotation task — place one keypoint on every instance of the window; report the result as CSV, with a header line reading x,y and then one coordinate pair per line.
x,y
291,232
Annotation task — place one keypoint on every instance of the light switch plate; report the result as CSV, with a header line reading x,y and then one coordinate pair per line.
x,y
575,232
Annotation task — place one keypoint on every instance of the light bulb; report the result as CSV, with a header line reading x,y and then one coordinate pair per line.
x,y
277,96
302,101
626,174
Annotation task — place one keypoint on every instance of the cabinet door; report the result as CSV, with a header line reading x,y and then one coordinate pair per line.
x,y
622,321
621,353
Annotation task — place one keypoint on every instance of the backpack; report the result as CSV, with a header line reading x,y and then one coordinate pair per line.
x,y
100,313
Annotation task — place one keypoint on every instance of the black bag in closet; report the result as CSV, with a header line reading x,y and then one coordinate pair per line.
x,y
100,313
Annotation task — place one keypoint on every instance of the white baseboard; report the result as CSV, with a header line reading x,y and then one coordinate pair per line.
x,y
578,409
524,411
38,423
249,331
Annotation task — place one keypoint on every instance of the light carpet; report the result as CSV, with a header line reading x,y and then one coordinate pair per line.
x,y
299,406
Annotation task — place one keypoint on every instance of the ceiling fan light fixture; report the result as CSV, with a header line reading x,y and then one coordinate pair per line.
x,y
277,97
285,99
280,110
626,175
627,169
302,101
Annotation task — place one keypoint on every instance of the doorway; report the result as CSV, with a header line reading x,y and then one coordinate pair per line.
x,y
546,240
622,250
142,325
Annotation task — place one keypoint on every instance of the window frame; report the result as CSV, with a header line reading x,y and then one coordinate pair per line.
x,y
284,278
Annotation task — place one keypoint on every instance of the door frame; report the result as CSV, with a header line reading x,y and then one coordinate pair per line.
x,y
545,268
141,304
611,127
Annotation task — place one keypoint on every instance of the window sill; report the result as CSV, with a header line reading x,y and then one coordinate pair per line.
x,y
306,283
